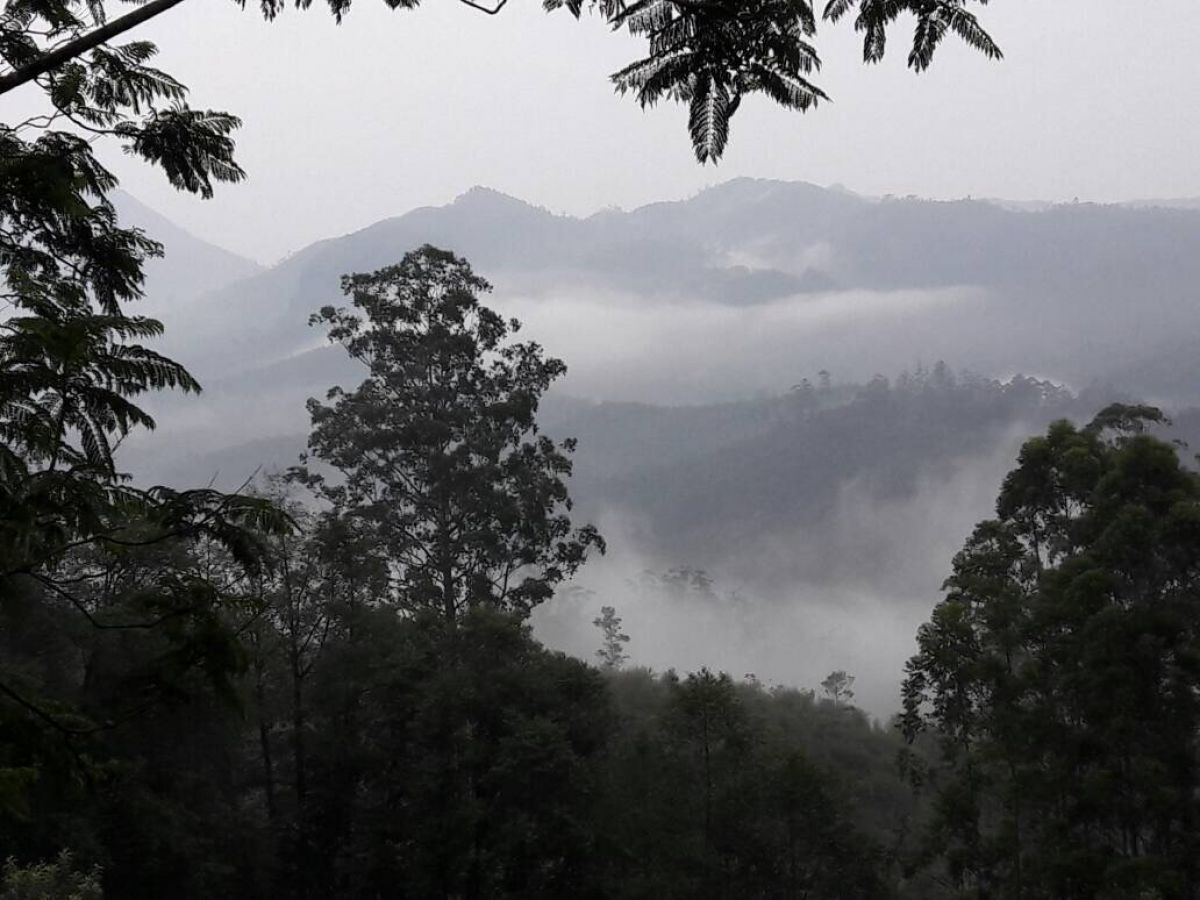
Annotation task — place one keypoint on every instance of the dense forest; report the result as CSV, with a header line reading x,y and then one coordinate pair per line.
x,y
335,678
326,687
342,698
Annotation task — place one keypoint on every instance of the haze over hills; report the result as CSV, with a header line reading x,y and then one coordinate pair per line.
x,y
189,268
695,332
631,531
1168,202
744,289
970,282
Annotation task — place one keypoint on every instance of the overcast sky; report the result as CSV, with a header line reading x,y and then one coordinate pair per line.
x,y
1096,99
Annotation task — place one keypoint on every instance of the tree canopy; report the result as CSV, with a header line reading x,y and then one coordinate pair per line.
x,y
706,54
75,531
437,453
1061,675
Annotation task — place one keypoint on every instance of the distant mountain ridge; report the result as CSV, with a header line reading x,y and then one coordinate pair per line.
x,y
1081,292
656,249
189,268
721,352
746,287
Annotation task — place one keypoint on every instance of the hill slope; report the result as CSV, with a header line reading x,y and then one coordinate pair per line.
x,y
189,268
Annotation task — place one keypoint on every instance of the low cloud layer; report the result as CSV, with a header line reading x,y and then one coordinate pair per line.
x,y
790,609
621,347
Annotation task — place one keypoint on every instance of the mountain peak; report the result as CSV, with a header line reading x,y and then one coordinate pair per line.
x,y
481,196
743,189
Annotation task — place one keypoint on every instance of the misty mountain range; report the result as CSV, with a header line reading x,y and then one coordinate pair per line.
x,y
695,332
740,291
1020,283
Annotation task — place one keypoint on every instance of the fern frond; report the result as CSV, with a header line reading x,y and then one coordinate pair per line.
x,y
653,77
836,9
966,26
708,119
787,90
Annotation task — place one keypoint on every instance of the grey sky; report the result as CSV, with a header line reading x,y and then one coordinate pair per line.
x,y
347,125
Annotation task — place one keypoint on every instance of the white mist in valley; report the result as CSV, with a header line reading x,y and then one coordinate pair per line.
x,y
789,609
619,346
686,327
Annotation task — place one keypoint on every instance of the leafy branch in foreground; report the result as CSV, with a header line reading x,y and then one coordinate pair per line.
x,y
74,365
708,54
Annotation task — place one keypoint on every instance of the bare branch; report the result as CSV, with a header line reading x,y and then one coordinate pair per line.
x,y
491,11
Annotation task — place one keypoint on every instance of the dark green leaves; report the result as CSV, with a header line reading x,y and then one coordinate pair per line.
x,y
437,452
60,373
710,54
1062,670
193,147
708,118
74,362
934,18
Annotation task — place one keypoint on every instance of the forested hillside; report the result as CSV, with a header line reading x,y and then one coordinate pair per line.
x,y
777,543
817,504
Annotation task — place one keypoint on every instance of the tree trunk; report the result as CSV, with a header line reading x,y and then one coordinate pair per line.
x,y
264,740
298,726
